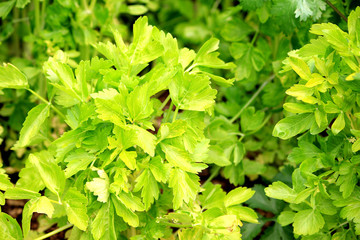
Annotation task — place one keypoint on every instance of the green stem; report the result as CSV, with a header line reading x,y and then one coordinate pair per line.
x,y
214,173
191,67
168,112
254,38
47,102
43,13
37,17
351,121
133,231
164,103
344,223
215,6
54,232
84,4
16,40
252,98
92,4
175,114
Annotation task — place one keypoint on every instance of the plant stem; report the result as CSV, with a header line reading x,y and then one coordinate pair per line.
x,y
175,114
336,10
344,223
254,38
252,98
54,232
133,231
168,112
37,17
191,67
213,175
164,103
92,4
16,38
47,102
43,12
351,121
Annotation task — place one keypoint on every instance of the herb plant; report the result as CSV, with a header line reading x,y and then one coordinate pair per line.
x,y
323,108
125,167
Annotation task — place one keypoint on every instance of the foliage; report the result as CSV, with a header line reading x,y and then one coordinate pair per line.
x,y
114,141
109,168
323,108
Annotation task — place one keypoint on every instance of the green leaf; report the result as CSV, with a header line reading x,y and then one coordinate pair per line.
x,y
293,125
17,193
300,67
251,120
305,151
136,9
51,174
308,222
5,182
22,3
213,196
284,15
139,104
356,146
10,229
159,169
130,201
121,210
354,25
299,107
235,30
192,92
30,179
278,232
31,127
100,186
243,213
185,186
251,5
260,200
224,222
103,226
347,179
238,195
207,56
40,205
280,190
150,190
109,105
68,141
218,155
172,130
159,78
2,199
129,158
77,161
5,8
339,124
10,76
286,217
178,157
62,77
75,206
143,139
145,46
78,114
